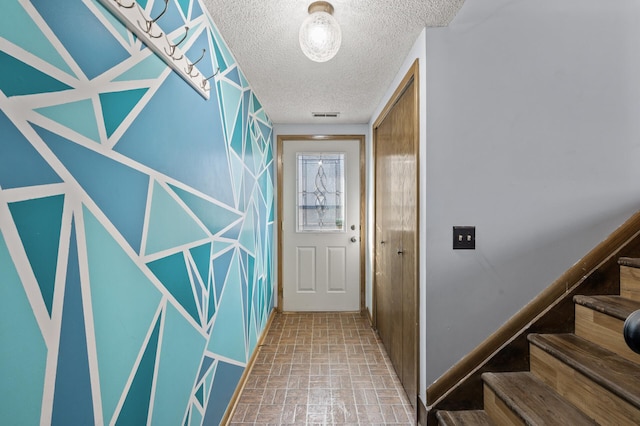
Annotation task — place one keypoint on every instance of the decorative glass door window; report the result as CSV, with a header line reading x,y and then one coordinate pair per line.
x,y
320,189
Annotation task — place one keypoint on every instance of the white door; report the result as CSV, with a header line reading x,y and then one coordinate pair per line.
x,y
321,225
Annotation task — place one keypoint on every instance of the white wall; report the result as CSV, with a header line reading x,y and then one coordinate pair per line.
x,y
533,136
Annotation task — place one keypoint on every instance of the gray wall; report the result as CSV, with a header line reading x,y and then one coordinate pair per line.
x,y
533,130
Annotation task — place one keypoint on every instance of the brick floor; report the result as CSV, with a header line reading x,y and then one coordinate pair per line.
x,y
321,369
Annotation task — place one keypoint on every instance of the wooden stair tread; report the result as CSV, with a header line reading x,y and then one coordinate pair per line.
x,y
615,306
619,375
533,401
463,418
632,262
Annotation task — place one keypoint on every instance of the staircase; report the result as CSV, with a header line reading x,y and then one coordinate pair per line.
x,y
588,377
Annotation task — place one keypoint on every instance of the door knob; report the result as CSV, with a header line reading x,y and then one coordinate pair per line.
x,y
354,239
400,251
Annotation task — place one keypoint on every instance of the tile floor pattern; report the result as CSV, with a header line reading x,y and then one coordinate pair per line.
x,y
322,368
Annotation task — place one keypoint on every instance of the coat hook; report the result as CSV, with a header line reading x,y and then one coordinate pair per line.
x,y
205,81
172,47
190,66
119,3
149,24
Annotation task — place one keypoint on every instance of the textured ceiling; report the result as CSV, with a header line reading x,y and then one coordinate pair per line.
x,y
376,37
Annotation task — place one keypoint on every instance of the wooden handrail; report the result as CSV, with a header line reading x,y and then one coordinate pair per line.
x,y
585,274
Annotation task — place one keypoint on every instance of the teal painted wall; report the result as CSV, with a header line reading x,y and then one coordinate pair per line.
x,y
136,220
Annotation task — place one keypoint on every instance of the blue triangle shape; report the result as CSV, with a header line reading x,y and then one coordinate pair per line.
x,y
211,308
226,380
172,273
171,19
38,222
245,113
222,50
228,334
222,64
214,216
202,258
196,417
250,288
97,50
196,10
78,116
18,78
135,409
237,137
265,130
169,224
23,363
116,106
184,7
243,79
147,69
73,401
206,365
253,336
221,269
256,103
234,76
234,232
200,395
20,164
116,24
118,190
245,300
231,97
199,291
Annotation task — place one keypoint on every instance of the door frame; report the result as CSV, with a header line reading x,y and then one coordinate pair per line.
x,y
412,76
363,216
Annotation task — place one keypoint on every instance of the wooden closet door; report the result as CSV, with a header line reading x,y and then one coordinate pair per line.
x,y
406,150
387,270
396,239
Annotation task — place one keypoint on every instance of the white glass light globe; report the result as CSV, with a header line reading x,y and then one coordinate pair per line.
x,y
320,36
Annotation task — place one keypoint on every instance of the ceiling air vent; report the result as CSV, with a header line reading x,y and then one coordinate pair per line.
x,y
325,114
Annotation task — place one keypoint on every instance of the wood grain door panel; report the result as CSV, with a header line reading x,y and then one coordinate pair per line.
x,y
396,251
404,125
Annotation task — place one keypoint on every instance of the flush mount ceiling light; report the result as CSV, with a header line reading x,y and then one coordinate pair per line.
x,y
320,34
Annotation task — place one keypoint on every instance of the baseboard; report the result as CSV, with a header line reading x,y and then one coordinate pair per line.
x,y
231,408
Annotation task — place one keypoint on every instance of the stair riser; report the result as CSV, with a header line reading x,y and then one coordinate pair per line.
x,y
630,282
463,418
499,412
588,396
603,330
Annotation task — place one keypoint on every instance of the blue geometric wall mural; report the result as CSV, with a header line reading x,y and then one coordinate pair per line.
x,y
38,222
136,220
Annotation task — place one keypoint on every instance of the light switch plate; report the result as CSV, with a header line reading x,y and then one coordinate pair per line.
x,y
464,237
